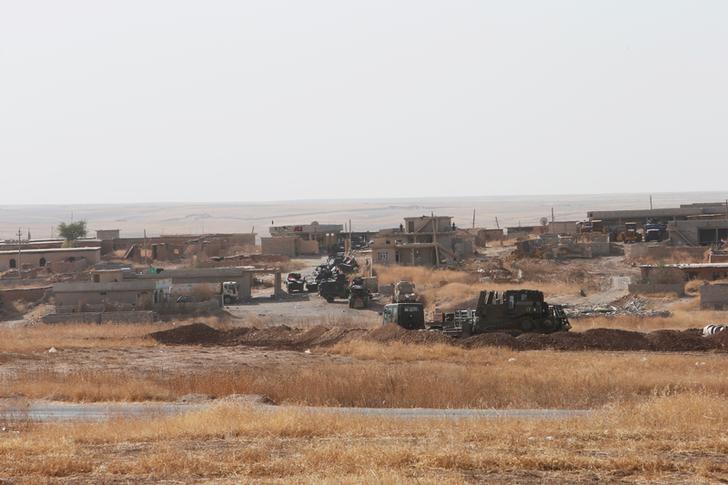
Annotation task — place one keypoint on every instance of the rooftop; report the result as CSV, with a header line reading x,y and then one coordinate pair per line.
x,y
50,250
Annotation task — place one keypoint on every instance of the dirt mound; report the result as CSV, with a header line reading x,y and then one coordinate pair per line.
x,y
614,339
194,334
395,333
719,340
598,339
281,336
335,335
497,339
675,341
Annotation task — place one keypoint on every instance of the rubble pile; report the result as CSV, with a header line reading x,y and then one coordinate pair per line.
x,y
632,307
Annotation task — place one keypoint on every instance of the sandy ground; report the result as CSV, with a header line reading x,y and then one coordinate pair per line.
x,y
182,359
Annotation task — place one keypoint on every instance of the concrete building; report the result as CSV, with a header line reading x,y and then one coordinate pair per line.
x,y
290,246
614,219
563,228
698,232
325,236
422,241
666,278
123,290
523,232
120,295
41,258
53,243
176,247
107,234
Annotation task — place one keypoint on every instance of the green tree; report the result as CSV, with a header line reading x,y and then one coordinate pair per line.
x,y
72,231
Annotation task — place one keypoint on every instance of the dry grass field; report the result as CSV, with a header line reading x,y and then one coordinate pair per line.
x,y
373,374
678,438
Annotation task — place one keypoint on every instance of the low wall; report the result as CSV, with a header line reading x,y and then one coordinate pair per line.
x,y
101,317
650,251
714,297
647,288
30,295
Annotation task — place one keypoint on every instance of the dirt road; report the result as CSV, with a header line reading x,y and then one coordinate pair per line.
x,y
49,411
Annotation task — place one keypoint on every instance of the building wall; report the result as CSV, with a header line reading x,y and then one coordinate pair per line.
x,y
28,295
307,247
282,246
697,232
33,259
107,234
563,227
714,297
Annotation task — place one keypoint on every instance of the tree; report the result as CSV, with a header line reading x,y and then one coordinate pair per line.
x,y
72,231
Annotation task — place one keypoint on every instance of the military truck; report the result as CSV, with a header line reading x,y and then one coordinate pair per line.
x,y
335,287
407,315
358,293
404,292
517,310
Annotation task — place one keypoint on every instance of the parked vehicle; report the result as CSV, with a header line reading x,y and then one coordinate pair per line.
x,y
404,292
295,283
358,294
407,315
230,292
335,287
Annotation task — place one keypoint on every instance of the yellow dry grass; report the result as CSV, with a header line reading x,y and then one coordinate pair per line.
x,y
40,337
401,375
669,438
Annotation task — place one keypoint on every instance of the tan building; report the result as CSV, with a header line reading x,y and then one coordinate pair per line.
x,y
313,238
40,258
422,241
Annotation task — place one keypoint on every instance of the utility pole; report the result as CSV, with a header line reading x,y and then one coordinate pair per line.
x,y
650,201
434,240
496,223
553,220
473,218
19,265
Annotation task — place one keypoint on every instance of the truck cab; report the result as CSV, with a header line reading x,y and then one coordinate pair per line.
x,y
407,315
230,292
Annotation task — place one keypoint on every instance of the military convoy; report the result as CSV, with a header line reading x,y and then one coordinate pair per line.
x,y
512,311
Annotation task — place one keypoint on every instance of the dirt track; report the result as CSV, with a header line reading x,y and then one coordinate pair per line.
x,y
283,337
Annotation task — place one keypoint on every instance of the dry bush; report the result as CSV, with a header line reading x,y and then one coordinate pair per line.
x,y
671,437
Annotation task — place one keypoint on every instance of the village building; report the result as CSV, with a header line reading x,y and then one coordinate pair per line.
x,y
306,239
422,241
54,259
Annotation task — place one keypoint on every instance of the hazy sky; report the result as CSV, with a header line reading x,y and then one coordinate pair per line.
x,y
128,101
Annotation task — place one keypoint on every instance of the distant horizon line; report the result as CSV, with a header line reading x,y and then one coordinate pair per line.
x,y
365,199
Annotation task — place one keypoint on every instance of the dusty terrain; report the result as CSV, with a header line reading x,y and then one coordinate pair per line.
x,y
632,393
179,218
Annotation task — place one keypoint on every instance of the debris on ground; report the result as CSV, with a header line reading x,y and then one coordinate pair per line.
x,y
630,307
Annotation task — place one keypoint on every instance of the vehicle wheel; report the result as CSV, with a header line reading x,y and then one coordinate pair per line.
x,y
526,325
548,325
467,331
226,300
329,300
